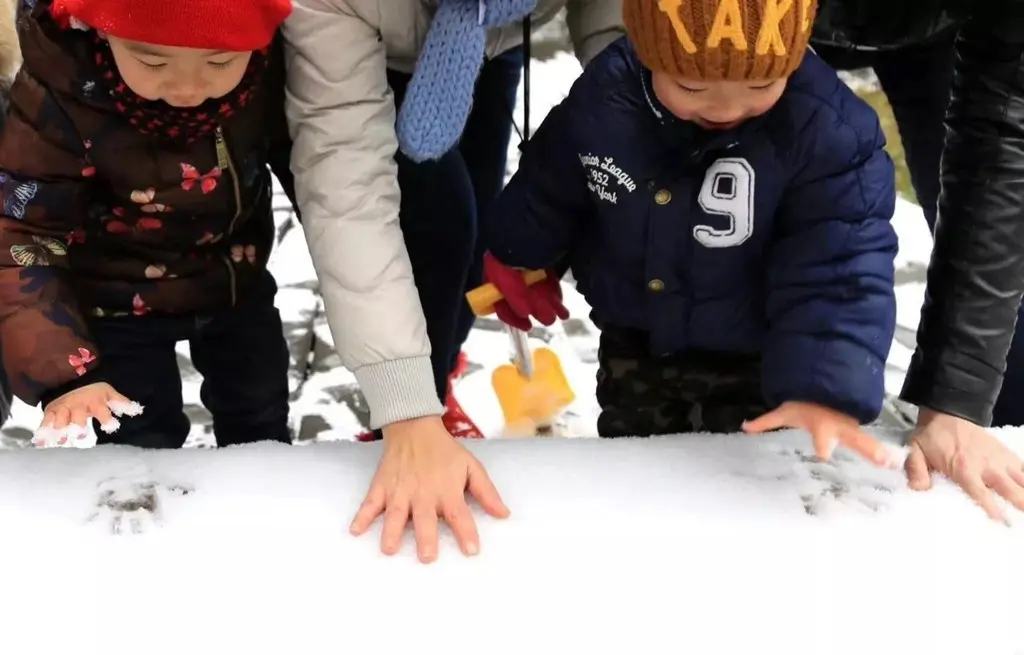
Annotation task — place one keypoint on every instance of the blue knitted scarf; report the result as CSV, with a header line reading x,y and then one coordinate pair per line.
x,y
440,95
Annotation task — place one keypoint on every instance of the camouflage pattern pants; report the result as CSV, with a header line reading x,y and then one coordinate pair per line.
x,y
642,395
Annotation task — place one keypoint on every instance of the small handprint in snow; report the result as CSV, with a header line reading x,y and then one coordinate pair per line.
x,y
824,487
831,484
132,504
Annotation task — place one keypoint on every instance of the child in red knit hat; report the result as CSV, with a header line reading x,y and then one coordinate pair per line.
x,y
136,213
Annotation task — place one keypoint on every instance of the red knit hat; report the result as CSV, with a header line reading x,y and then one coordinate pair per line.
x,y
236,25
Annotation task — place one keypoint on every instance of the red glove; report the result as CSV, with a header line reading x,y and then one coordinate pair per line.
x,y
542,300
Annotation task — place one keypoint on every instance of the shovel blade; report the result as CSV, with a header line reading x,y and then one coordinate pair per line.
x,y
536,400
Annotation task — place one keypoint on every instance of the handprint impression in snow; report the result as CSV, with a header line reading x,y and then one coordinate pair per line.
x,y
132,505
824,487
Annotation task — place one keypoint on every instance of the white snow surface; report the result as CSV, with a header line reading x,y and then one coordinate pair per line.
x,y
690,544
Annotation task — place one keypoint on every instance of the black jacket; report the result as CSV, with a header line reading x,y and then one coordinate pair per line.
x,y
885,24
976,276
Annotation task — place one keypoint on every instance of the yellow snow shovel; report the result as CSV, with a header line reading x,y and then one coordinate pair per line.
x,y
532,390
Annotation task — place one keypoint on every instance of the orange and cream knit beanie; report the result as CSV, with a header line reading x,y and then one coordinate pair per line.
x,y
718,40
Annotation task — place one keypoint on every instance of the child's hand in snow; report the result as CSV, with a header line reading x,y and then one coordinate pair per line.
x,y
66,419
828,429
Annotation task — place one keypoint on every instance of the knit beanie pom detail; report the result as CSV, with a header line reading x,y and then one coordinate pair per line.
x,y
234,25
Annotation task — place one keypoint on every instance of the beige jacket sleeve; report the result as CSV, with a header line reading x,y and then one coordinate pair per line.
x,y
341,116
593,25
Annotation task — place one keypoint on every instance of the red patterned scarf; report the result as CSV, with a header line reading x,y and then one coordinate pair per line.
x,y
157,118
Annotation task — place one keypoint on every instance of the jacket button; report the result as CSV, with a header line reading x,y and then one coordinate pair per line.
x,y
663,197
656,285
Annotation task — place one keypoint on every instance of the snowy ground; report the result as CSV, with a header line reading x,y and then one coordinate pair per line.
x,y
677,545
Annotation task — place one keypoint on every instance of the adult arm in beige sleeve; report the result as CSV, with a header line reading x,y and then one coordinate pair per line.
x,y
593,24
341,115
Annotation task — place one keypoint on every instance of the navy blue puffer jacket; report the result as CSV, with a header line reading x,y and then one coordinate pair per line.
x,y
772,238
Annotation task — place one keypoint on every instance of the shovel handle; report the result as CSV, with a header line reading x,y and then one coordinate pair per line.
x,y
482,299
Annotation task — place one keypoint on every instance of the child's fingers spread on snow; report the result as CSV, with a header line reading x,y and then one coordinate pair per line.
x,y
101,412
59,417
121,406
46,434
773,420
80,414
867,446
75,432
236,254
825,443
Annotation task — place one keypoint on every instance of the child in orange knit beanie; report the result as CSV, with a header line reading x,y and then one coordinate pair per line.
x,y
723,200
747,50
136,213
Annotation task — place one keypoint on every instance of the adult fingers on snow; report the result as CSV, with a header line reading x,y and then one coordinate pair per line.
x,y
424,526
483,490
970,480
1003,484
396,517
372,507
1016,473
919,475
458,517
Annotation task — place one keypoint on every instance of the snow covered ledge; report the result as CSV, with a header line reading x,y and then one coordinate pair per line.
x,y
684,545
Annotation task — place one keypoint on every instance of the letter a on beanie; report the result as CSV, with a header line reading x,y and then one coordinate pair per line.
x,y
720,40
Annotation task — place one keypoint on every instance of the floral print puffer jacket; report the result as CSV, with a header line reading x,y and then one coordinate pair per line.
x,y
109,209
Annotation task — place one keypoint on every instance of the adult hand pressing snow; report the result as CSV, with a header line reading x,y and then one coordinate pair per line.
x,y
827,427
969,456
424,475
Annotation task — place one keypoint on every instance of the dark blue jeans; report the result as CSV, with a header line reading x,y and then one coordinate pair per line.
x,y
916,81
444,202
240,352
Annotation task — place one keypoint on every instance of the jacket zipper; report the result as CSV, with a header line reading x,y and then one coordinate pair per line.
x,y
225,164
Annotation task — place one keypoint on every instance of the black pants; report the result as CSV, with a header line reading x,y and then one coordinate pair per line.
x,y
916,80
641,395
240,352
444,202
